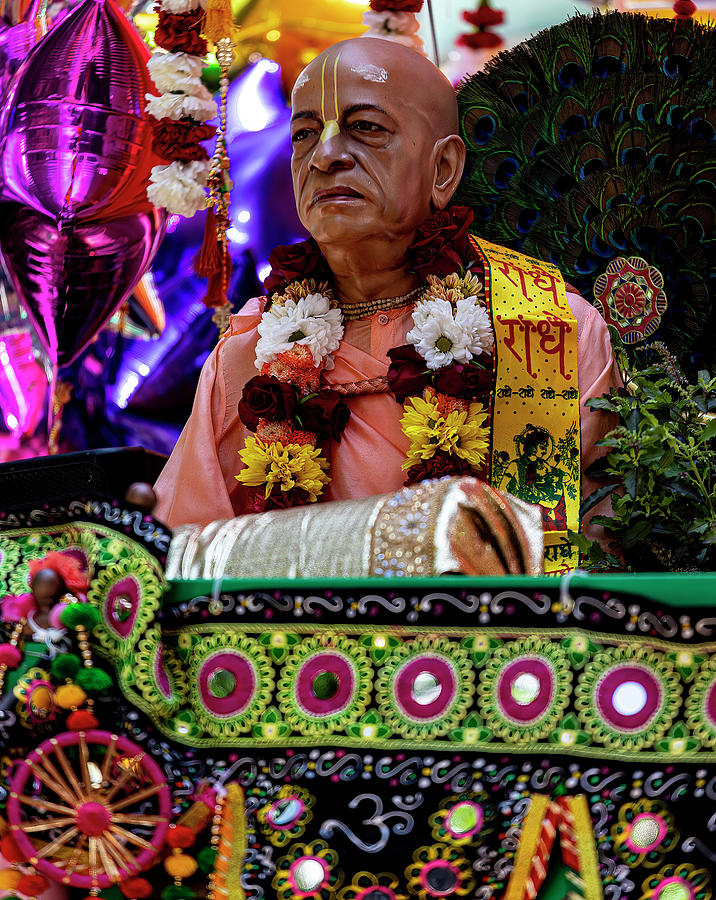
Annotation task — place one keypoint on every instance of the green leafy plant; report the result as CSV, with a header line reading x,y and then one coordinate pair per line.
x,y
660,472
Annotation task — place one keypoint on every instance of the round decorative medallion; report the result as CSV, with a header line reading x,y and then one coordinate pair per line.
x,y
628,697
524,689
231,681
701,703
324,684
630,296
424,687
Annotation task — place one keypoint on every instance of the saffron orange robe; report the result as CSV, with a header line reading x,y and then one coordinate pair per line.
x,y
198,483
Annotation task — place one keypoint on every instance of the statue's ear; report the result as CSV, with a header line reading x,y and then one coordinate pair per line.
x,y
449,156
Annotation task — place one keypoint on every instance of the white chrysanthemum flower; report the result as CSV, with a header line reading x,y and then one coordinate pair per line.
x,y
309,321
177,72
443,335
176,7
401,27
474,320
179,187
199,107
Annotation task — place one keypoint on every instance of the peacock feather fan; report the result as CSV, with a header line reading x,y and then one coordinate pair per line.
x,y
596,139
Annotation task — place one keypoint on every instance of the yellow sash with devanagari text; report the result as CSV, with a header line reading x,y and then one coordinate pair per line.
x,y
535,415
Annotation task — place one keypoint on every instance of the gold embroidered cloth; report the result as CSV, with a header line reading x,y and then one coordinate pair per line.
x,y
458,525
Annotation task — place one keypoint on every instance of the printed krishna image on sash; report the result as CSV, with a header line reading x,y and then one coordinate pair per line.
x,y
542,471
535,411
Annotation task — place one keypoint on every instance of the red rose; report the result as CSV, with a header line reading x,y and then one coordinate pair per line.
x,y
181,32
265,397
324,413
464,380
437,467
294,262
277,499
441,244
181,140
413,6
408,374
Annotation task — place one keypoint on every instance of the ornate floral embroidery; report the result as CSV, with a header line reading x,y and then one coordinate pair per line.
x,y
439,871
425,687
525,689
677,881
230,683
325,684
127,593
285,817
156,673
644,833
365,886
627,697
310,870
701,704
463,819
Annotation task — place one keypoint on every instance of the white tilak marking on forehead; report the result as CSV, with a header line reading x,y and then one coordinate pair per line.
x,y
371,73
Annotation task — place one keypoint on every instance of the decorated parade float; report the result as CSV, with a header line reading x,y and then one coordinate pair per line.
x,y
422,604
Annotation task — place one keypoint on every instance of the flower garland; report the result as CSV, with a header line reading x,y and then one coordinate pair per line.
x,y
443,376
284,405
395,20
180,110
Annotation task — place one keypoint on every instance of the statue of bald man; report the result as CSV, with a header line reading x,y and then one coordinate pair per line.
x,y
376,151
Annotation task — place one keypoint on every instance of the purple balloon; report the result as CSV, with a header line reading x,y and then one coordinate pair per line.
x,y
76,143
16,41
71,277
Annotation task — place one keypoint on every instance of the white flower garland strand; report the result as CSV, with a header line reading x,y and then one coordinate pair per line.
x,y
179,187
401,27
444,333
309,322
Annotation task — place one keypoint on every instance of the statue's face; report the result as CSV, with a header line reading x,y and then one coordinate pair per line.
x,y
362,146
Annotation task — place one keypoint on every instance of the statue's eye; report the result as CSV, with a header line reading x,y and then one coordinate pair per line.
x,y
301,135
365,125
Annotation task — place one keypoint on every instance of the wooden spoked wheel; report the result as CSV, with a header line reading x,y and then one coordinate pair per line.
x,y
89,809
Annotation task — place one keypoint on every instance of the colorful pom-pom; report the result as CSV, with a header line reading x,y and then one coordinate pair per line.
x,y
136,888
177,892
181,837
206,858
81,720
94,681
55,615
13,609
68,696
65,665
179,865
10,656
9,879
80,615
32,885
9,849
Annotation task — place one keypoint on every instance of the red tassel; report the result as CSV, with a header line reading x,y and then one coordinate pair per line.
x,y
215,294
208,260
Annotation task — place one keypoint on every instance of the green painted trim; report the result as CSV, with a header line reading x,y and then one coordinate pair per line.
x,y
674,589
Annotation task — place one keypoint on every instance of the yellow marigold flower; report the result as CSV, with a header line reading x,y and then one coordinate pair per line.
x,y
272,464
461,432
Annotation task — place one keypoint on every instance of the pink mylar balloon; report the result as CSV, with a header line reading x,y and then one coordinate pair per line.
x,y
76,142
71,277
23,383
